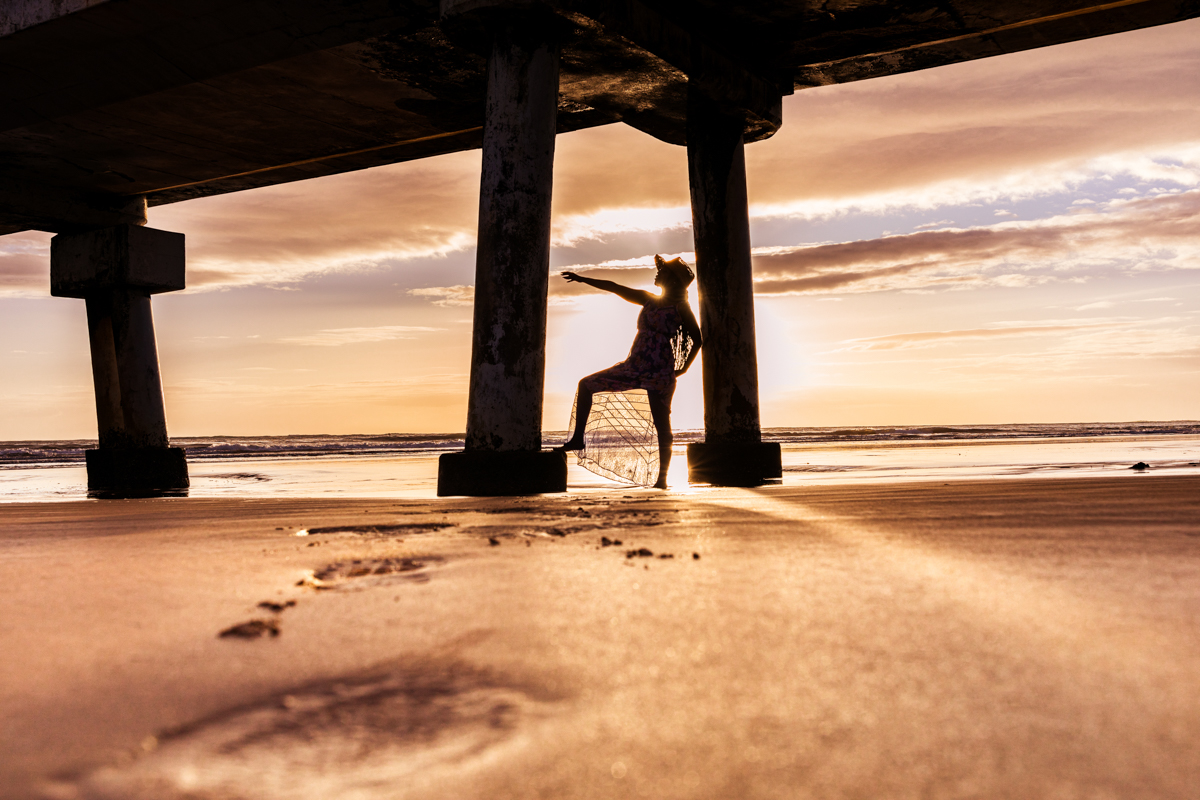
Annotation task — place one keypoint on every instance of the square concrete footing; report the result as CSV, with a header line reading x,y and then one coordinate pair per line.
x,y
137,471
734,463
492,473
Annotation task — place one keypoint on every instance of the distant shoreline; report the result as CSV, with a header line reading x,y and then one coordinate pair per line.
x,y
63,452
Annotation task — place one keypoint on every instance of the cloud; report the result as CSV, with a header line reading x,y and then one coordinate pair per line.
x,y
637,262
1007,127
1159,232
24,272
1126,235
447,295
336,337
904,341
1155,233
25,264
373,390
994,130
632,272
609,181
284,233
571,229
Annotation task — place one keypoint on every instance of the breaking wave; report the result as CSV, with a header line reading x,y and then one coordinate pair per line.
x,y
69,452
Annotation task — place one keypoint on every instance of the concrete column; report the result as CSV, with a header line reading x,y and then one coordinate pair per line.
x,y
733,453
106,377
512,267
115,270
129,399
508,356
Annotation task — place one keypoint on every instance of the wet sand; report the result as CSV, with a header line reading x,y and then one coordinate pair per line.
x,y
1004,638
413,475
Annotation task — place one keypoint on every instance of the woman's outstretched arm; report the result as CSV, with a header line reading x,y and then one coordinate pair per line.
x,y
624,292
693,329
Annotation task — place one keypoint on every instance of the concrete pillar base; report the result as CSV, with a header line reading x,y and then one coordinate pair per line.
x,y
499,473
141,470
734,463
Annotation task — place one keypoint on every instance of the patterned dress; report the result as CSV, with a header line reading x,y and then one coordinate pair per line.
x,y
652,360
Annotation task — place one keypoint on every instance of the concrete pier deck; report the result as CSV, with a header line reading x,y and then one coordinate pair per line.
x,y
106,101
976,639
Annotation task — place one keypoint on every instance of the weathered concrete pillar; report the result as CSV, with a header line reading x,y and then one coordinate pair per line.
x,y
115,270
129,400
503,452
732,453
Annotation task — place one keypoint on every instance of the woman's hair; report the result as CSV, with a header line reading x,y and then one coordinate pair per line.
x,y
678,269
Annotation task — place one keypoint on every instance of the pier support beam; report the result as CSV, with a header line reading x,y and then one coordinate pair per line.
x,y
732,453
503,454
115,270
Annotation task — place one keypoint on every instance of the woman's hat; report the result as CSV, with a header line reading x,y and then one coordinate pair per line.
x,y
677,267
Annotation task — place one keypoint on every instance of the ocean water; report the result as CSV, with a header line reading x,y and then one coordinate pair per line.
x,y
405,465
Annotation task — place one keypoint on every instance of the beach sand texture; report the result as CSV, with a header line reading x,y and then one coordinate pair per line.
x,y
983,639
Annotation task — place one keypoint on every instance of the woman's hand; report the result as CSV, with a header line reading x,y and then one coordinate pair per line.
x,y
572,277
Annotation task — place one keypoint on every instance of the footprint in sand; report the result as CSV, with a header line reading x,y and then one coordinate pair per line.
x,y
257,628
378,530
375,571
344,738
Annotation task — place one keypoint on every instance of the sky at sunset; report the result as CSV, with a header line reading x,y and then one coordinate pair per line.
x,y
1009,240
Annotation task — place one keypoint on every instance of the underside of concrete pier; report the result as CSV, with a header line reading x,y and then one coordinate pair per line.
x,y
103,100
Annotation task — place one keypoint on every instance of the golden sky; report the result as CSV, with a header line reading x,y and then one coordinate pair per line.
x,y
1009,240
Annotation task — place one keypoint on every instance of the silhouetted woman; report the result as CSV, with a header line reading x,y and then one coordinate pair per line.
x,y
668,340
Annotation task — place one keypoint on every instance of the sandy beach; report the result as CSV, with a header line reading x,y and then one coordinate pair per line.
x,y
1016,638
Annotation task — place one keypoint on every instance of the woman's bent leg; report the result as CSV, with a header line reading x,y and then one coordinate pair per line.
x,y
583,407
616,378
660,412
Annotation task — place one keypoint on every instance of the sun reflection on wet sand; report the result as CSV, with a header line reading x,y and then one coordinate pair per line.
x,y
1067,620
